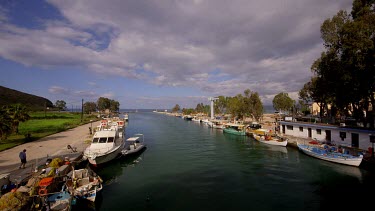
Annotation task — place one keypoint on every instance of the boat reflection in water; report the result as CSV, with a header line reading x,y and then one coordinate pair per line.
x,y
111,172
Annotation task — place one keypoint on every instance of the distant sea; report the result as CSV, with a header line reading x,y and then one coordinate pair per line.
x,y
267,109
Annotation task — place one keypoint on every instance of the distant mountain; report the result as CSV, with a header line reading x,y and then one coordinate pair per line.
x,y
32,102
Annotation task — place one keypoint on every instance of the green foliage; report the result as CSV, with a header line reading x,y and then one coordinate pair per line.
x,y
39,127
89,107
282,102
247,105
5,124
344,75
188,111
221,104
60,105
105,103
176,108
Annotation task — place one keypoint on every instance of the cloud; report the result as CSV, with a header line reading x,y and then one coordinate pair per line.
x,y
266,46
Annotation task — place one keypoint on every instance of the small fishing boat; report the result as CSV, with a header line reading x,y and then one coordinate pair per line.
x,y
61,201
330,154
107,143
235,129
263,136
134,145
84,184
217,124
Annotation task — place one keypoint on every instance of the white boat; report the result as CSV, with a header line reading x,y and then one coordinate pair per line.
x,y
329,155
217,124
84,183
262,136
133,145
195,119
126,117
107,143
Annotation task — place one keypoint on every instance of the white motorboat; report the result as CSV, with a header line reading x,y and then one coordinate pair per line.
x,y
126,117
330,155
134,145
107,143
262,136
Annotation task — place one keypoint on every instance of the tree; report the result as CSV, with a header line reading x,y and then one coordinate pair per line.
x,y
176,108
344,75
60,105
114,106
89,107
5,123
17,114
282,102
221,104
103,103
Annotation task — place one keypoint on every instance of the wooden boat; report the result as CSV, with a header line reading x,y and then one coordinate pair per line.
x,y
235,129
262,136
107,143
84,184
61,201
330,155
133,145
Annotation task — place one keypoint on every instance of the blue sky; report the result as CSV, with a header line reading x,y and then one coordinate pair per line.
x,y
155,54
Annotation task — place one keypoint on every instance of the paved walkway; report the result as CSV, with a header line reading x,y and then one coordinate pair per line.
x,y
51,146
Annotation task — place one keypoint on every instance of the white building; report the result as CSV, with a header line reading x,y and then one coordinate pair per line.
x,y
357,138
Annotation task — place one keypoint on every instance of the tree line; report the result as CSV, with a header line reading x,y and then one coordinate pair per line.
x,y
343,83
243,105
101,104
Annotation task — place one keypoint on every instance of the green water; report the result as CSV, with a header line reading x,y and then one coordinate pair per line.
x,y
188,166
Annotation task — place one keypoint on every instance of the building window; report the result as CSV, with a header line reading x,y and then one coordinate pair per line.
x,y
300,129
318,131
289,127
342,135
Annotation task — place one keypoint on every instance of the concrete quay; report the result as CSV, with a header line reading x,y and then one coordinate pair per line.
x,y
40,150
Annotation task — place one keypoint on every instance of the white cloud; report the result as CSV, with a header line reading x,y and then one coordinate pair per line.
x,y
266,46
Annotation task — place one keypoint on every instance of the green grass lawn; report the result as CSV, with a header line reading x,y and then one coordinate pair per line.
x,y
41,125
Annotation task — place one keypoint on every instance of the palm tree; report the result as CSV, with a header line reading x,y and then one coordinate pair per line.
x,y
17,113
5,124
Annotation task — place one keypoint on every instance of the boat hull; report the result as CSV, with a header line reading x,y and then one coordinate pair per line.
x,y
271,142
351,161
105,158
128,152
234,132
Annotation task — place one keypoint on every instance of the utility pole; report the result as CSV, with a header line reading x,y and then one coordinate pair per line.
x,y
82,111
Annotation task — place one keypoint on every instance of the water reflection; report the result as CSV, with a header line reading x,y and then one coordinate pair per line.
x,y
115,169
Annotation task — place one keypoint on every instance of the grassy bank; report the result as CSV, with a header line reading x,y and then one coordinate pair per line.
x,y
43,124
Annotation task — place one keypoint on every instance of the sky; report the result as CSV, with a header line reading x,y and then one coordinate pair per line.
x,y
156,54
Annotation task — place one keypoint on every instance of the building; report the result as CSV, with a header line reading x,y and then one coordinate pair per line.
x,y
351,137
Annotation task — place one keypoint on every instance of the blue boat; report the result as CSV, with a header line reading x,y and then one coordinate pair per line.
x,y
330,155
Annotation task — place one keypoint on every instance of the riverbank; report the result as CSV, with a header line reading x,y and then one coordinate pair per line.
x,y
48,147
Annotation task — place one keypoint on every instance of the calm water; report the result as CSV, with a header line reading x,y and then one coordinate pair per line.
x,y
188,166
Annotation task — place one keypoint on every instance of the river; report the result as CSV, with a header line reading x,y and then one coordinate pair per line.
x,y
188,166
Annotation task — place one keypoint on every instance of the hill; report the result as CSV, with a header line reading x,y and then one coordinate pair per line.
x,y
32,102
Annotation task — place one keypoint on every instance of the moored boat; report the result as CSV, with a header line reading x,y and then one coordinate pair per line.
x,y
331,155
106,144
84,184
262,136
235,129
134,145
